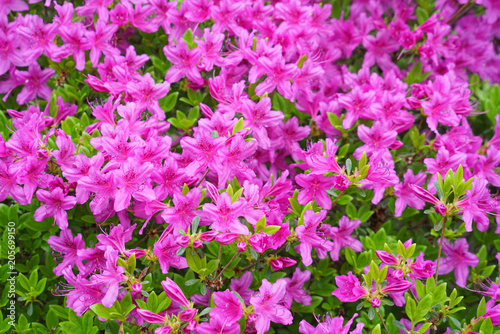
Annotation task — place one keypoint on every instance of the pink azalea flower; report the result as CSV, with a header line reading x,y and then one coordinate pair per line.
x,y
224,215
68,246
183,212
35,80
166,250
309,238
267,305
184,63
457,259
315,187
218,325
227,306
476,205
242,285
56,205
295,289
405,194
146,94
341,236
349,289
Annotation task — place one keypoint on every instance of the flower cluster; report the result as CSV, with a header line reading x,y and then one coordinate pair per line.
x,y
230,166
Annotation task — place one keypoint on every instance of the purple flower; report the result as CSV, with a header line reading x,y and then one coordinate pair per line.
x,y
68,246
309,237
227,306
35,80
184,63
457,259
56,205
315,187
267,305
224,215
349,289
405,194
476,205
341,236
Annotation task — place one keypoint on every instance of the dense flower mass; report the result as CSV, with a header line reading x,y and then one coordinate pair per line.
x,y
237,166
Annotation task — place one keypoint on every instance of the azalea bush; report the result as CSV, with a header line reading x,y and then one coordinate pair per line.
x,y
237,166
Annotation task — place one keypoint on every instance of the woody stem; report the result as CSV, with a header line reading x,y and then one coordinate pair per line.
x,y
439,251
336,200
383,322
460,12
227,265
202,178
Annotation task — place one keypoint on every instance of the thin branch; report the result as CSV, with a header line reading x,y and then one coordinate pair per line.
x,y
202,178
439,251
227,265
383,322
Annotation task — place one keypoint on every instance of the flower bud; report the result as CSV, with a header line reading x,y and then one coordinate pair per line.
x,y
226,238
375,302
242,246
183,240
174,292
187,315
386,258
276,264
287,262
341,182
151,317
441,209
209,235
423,269
400,286
197,243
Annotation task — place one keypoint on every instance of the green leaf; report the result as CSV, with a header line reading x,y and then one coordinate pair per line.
x,y
189,39
168,102
194,224
24,282
376,329
481,308
212,266
362,161
271,229
238,126
423,308
424,328
193,260
101,311
350,256
126,304
399,325
131,263
348,166
261,223
34,278
371,313
420,287
411,309
486,326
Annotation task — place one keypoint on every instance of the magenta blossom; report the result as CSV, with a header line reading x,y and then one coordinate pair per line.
x,y
349,288
457,259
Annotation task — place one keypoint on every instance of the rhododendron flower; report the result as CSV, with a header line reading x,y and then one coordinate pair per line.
x,y
476,205
457,259
349,288
267,305
56,204
309,238
225,215
227,306
315,187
